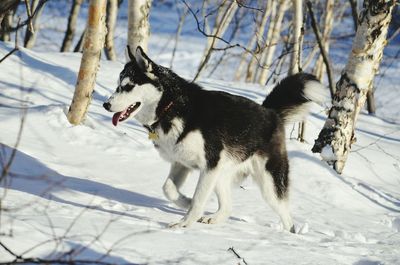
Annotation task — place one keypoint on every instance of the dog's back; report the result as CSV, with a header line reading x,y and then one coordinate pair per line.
x,y
240,137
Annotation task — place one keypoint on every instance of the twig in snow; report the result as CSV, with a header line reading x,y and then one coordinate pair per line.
x,y
237,255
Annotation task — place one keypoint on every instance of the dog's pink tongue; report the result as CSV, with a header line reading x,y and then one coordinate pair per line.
x,y
115,118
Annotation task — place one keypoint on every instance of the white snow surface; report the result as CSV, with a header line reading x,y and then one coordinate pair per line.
x,y
96,189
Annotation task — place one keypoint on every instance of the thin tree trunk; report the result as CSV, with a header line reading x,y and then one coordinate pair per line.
x,y
253,41
178,33
322,49
266,59
111,19
71,28
354,13
94,41
6,6
243,57
138,23
307,61
79,44
6,25
328,25
335,139
295,58
30,37
221,24
295,66
204,6
234,30
259,36
371,107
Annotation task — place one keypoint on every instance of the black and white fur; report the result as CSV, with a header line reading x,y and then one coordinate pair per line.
x,y
225,137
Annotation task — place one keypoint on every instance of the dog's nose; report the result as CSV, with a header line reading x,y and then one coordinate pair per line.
x,y
107,105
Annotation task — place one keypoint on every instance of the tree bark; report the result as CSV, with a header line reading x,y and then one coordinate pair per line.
x,y
72,19
335,139
371,101
93,44
296,37
30,37
6,25
138,24
6,6
111,19
79,44
328,25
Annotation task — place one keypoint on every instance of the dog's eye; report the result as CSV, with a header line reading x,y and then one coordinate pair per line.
x,y
128,87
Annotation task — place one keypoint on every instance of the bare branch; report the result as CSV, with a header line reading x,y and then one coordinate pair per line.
x,y
322,48
27,21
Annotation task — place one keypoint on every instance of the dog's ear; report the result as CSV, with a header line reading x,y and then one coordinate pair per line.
x,y
144,62
129,55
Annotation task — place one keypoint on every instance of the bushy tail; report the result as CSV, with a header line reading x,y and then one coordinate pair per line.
x,y
292,96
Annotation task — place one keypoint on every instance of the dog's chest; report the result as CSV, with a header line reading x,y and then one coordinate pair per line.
x,y
189,151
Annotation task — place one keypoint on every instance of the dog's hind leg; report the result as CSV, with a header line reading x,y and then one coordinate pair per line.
x,y
272,178
177,176
223,190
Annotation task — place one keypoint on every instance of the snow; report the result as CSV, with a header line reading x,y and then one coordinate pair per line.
x,y
327,154
97,187
94,191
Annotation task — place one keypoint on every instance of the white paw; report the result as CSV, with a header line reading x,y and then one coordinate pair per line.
x,y
181,224
210,219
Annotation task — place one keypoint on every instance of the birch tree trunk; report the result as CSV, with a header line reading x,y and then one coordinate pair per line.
x,y
93,44
266,58
371,107
258,38
297,24
259,29
295,58
6,25
178,33
72,19
328,25
6,6
222,21
30,37
111,19
138,23
79,44
354,9
335,139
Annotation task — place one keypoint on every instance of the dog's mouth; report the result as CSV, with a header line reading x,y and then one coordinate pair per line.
x,y
123,115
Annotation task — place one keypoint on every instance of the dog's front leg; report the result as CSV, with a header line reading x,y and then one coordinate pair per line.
x,y
176,177
205,186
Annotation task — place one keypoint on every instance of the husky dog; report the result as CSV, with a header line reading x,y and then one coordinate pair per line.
x,y
225,137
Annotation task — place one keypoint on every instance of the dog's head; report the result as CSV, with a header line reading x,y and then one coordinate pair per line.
x,y
138,89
